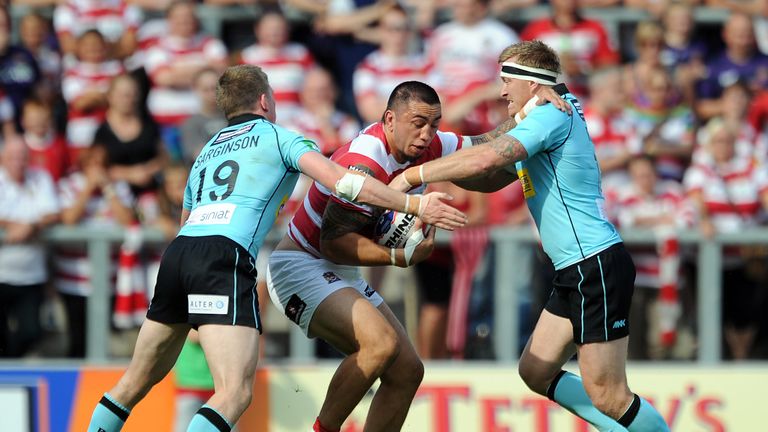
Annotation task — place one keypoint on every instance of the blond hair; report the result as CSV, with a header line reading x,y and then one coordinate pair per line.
x,y
533,53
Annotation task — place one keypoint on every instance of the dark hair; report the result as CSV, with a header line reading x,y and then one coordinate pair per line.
x,y
91,32
642,157
408,91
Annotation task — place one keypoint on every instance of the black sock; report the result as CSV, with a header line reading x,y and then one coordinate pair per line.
x,y
631,413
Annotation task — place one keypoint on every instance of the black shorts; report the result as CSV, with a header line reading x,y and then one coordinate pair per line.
x,y
595,295
206,280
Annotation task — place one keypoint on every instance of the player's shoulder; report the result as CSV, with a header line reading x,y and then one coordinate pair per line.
x,y
549,116
281,133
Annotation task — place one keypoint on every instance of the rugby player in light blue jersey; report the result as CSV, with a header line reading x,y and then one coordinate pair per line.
x,y
207,278
588,312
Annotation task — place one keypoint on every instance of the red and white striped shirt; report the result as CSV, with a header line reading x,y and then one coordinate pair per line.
x,y
79,79
731,191
370,149
466,56
587,41
168,105
71,264
306,123
610,136
667,199
285,68
112,18
378,74
49,153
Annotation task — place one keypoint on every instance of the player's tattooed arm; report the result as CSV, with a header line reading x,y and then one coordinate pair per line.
x,y
509,148
339,221
500,130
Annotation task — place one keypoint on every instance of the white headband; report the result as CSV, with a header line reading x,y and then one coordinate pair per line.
x,y
527,73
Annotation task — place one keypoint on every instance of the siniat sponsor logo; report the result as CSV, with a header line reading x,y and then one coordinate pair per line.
x,y
215,215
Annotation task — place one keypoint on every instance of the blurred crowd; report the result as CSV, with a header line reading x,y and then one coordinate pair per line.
x,y
105,103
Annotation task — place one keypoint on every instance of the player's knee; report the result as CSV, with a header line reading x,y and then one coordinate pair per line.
x,y
408,372
532,376
383,347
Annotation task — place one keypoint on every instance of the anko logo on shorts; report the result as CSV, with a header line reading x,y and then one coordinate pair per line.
x,y
207,304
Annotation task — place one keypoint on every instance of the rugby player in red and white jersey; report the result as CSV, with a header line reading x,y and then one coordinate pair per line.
x,y
313,275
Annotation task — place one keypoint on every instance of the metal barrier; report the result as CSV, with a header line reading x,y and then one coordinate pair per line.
x,y
509,242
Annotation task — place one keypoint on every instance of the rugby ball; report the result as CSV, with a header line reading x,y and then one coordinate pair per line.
x,y
393,228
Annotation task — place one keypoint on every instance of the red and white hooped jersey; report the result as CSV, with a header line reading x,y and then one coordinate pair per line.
x,y
112,18
610,134
667,199
285,67
466,56
307,124
378,74
79,79
370,149
731,191
171,106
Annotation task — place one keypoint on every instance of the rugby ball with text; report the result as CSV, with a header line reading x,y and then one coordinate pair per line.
x,y
393,228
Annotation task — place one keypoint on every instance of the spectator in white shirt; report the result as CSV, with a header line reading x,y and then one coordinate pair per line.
x,y
28,203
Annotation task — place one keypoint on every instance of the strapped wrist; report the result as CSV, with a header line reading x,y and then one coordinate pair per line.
x,y
413,177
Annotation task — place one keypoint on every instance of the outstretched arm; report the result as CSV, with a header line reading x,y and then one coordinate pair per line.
x,y
368,190
468,163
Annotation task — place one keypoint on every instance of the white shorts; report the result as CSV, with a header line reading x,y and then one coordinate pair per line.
x,y
298,282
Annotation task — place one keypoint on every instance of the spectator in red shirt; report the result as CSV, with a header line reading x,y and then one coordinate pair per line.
x,y
47,148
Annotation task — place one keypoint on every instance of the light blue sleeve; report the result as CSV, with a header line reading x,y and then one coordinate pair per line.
x,y
295,148
536,130
188,195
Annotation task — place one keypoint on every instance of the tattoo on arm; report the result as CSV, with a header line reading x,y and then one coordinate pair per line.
x,y
338,221
499,131
509,148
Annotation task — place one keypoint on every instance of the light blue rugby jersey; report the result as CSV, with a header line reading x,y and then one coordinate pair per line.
x,y
242,179
561,183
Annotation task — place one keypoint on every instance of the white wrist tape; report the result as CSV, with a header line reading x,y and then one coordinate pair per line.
x,y
392,259
349,186
410,245
421,204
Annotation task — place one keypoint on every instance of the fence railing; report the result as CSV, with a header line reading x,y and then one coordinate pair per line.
x,y
509,244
